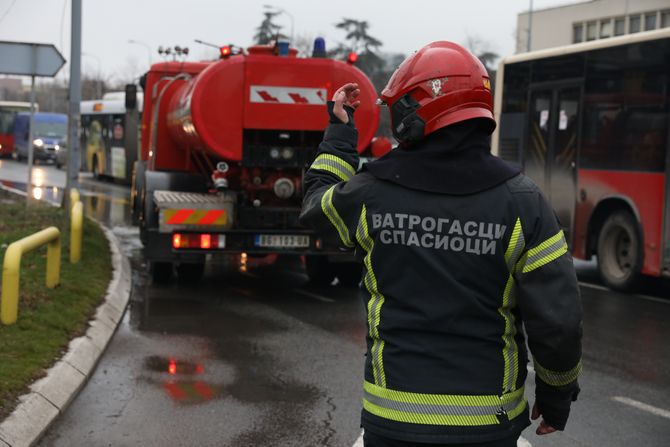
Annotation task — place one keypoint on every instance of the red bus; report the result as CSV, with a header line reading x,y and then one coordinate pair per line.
x,y
8,111
589,124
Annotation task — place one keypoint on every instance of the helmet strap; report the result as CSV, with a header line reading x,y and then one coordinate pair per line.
x,y
406,124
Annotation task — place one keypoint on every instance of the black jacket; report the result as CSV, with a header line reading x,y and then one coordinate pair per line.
x,y
460,253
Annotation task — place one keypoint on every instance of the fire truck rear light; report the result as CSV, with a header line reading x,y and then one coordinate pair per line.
x,y
205,241
176,240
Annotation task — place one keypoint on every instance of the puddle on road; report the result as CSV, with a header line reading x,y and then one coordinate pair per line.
x,y
172,366
177,379
112,210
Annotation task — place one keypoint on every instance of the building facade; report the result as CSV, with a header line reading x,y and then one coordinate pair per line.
x,y
590,20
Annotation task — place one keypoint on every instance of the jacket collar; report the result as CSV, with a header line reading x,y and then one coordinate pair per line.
x,y
454,160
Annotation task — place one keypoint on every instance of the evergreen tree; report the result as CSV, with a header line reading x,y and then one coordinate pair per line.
x,y
359,41
268,31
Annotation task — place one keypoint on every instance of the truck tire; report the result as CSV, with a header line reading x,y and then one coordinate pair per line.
x,y
161,272
190,273
143,211
137,184
620,254
319,270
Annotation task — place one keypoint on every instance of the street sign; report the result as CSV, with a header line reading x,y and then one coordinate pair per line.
x,y
30,59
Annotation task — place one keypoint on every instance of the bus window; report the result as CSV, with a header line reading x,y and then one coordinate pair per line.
x,y
538,144
558,69
625,121
513,118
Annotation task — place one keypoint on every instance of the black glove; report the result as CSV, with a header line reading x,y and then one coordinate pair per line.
x,y
335,120
554,402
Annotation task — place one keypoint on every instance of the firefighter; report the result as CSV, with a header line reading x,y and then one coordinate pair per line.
x,y
460,253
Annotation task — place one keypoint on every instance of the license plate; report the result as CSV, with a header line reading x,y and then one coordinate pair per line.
x,y
281,241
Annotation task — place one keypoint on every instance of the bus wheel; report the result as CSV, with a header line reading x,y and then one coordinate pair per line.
x,y
319,270
190,273
620,251
161,272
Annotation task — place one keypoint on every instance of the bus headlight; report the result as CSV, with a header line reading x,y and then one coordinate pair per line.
x,y
38,142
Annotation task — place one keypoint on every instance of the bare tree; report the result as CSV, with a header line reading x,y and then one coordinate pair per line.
x,y
362,43
484,51
129,74
304,43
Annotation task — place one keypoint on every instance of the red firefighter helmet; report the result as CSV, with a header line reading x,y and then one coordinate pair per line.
x,y
439,85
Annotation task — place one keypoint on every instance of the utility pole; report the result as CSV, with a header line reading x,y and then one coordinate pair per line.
x,y
74,117
31,123
530,25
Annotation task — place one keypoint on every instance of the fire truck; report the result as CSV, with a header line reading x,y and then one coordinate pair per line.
x,y
224,147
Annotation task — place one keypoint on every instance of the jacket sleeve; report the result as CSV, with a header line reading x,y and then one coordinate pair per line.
x,y
333,191
549,301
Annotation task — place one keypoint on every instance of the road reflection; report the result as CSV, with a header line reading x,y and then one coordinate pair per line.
x,y
180,380
106,203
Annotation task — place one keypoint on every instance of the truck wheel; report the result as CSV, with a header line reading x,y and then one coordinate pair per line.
x,y
620,251
349,274
137,184
190,273
161,272
319,270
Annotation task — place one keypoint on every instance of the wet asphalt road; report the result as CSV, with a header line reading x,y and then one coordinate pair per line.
x,y
262,359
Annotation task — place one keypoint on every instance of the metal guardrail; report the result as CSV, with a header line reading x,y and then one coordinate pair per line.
x,y
11,269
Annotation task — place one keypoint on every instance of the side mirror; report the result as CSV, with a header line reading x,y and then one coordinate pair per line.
x,y
131,96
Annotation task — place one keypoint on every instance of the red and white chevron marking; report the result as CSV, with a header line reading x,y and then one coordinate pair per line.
x,y
287,95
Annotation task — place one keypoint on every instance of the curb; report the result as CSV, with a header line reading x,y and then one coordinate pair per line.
x,y
51,395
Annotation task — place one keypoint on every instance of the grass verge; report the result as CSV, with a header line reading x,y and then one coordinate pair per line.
x,y
48,318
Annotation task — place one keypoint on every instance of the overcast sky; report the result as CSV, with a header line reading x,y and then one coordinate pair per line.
x,y
402,25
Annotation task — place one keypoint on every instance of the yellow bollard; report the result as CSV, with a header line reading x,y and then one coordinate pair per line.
x,y
9,307
74,196
76,230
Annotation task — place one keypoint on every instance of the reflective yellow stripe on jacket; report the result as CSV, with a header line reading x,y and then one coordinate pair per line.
x,y
557,378
442,409
510,349
549,250
335,165
334,217
375,302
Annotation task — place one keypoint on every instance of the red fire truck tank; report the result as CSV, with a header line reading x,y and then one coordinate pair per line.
x,y
224,147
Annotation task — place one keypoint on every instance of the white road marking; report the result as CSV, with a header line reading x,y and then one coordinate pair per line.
x,y
314,296
605,289
642,406
359,441
522,442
